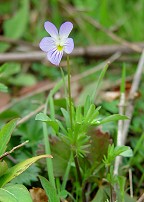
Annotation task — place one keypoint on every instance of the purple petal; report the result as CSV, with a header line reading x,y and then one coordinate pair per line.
x,y
47,43
55,56
69,45
65,29
51,29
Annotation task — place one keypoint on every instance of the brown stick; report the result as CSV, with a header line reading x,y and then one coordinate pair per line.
x,y
27,117
13,149
51,85
111,34
90,51
16,42
70,10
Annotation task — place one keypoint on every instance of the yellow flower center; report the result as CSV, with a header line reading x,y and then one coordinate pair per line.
x,y
59,48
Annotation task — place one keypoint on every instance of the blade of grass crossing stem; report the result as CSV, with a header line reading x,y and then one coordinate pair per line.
x,y
48,151
52,110
102,74
67,173
50,102
58,85
122,89
64,81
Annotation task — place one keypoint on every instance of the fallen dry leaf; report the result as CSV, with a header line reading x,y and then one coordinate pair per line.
x,y
38,195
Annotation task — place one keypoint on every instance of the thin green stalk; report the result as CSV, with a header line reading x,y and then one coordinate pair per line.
x,y
48,150
69,91
77,167
65,179
71,120
65,88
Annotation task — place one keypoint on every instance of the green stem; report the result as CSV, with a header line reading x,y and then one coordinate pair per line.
x,y
111,189
64,82
77,168
69,91
71,121
48,150
65,179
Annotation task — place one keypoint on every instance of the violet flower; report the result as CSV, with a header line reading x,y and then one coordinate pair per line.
x,y
58,42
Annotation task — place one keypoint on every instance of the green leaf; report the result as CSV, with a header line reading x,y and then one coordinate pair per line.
x,y
44,118
87,105
15,26
58,86
121,181
101,195
114,117
23,80
90,112
15,193
3,167
5,135
49,189
127,153
66,116
3,88
78,115
8,69
102,74
16,170
63,194
123,151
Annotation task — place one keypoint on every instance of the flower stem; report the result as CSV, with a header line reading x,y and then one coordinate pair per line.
x,y
71,121
69,91
64,82
48,150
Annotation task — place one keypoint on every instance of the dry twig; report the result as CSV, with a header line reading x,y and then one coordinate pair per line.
x,y
27,117
13,149
141,199
101,51
16,42
133,90
51,85
112,35
70,10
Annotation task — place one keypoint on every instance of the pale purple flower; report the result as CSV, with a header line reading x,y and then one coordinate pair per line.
x,y
58,42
